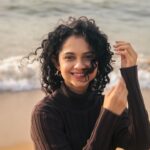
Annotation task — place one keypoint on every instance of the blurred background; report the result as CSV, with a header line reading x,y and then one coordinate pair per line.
x,y
25,23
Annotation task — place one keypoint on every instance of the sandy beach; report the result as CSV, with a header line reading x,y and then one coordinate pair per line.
x,y
15,115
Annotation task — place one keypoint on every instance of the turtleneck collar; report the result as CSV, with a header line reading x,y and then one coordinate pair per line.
x,y
73,99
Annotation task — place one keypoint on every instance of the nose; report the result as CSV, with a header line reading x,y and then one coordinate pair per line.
x,y
80,65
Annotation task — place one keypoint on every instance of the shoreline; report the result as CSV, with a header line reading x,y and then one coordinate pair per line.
x,y
15,115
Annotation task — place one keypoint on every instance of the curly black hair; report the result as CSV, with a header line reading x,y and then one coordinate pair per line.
x,y
52,45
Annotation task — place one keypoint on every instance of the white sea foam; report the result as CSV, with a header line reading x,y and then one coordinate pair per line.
x,y
13,78
28,77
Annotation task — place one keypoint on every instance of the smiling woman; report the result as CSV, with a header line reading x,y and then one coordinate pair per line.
x,y
74,60
64,36
74,115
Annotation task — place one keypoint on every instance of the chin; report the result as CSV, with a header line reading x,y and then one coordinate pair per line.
x,y
80,85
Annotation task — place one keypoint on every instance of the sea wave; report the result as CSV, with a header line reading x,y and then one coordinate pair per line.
x,y
14,77
17,77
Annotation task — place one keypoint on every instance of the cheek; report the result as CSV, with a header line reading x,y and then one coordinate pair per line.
x,y
64,68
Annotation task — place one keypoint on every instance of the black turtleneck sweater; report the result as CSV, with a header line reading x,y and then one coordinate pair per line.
x,y
69,121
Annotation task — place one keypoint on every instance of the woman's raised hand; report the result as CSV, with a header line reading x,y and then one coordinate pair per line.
x,y
116,99
127,53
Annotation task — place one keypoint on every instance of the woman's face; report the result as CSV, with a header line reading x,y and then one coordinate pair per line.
x,y
74,57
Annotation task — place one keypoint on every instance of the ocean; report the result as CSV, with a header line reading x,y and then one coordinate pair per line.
x,y
24,24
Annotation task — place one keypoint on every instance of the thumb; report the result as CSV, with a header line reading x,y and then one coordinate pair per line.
x,y
110,91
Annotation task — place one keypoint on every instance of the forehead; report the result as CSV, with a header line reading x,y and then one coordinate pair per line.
x,y
75,44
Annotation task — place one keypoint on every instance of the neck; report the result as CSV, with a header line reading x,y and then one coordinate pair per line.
x,y
79,91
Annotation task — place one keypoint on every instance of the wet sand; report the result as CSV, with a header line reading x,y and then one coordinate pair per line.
x,y
15,115
21,146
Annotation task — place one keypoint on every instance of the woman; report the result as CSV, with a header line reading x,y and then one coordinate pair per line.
x,y
76,60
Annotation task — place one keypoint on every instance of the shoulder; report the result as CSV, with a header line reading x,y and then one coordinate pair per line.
x,y
46,114
46,106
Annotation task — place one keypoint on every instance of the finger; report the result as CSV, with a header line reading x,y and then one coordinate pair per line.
x,y
121,83
124,53
110,91
123,89
125,45
123,48
126,58
124,95
117,42
120,44
121,80
119,87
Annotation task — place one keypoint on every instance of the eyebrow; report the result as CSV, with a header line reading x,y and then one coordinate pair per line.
x,y
71,53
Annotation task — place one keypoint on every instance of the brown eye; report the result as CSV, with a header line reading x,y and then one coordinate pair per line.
x,y
90,57
69,57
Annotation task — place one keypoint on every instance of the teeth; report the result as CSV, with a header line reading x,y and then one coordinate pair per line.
x,y
78,74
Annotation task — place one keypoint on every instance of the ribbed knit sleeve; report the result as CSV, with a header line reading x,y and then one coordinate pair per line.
x,y
101,137
47,131
139,126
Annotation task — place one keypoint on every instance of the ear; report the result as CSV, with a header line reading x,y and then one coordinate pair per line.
x,y
55,62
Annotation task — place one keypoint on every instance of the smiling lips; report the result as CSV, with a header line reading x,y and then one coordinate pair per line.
x,y
78,75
